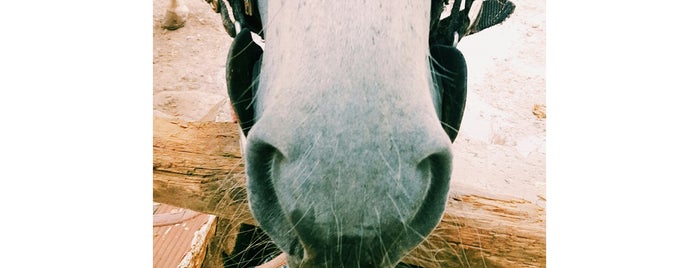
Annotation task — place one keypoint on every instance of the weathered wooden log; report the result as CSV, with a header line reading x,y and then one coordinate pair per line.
x,y
198,165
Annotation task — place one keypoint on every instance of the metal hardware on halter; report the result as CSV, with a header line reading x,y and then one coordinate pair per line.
x,y
237,26
248,8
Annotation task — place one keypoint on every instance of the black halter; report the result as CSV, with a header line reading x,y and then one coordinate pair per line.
x,y
448,64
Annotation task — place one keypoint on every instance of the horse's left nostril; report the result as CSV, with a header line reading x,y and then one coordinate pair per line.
x,y
437,168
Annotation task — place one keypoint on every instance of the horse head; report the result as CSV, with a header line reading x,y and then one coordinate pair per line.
x,y
349,116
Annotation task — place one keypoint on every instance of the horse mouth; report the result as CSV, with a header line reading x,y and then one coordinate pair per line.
x,y
305,238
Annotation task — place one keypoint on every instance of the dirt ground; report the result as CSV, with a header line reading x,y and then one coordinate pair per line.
x,y
501,148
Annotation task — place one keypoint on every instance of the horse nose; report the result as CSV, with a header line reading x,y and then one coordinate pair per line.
x,y
339,194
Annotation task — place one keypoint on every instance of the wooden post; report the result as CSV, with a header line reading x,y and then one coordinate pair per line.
x,y
198,165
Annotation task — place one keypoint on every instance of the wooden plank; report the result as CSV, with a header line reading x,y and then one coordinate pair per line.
x,y
180,236
194,258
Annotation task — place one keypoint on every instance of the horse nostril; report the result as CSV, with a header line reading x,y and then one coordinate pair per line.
x,y
262,196
437,167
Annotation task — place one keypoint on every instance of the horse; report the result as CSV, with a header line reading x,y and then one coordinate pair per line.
x,y
348,110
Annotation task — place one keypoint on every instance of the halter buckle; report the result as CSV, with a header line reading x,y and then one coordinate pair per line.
x,y
248,7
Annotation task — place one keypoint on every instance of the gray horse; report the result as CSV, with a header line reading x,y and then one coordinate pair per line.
x,y
348,157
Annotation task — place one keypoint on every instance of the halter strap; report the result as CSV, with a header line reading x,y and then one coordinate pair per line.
x,y
447,31
450,30
246,15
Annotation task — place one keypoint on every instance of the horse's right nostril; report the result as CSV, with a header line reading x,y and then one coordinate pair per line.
x,y
262,195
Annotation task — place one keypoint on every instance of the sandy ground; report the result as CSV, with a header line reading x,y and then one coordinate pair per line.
x,y
501,147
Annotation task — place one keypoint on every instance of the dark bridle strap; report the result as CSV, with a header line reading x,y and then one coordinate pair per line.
x,y
443,32
245,13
